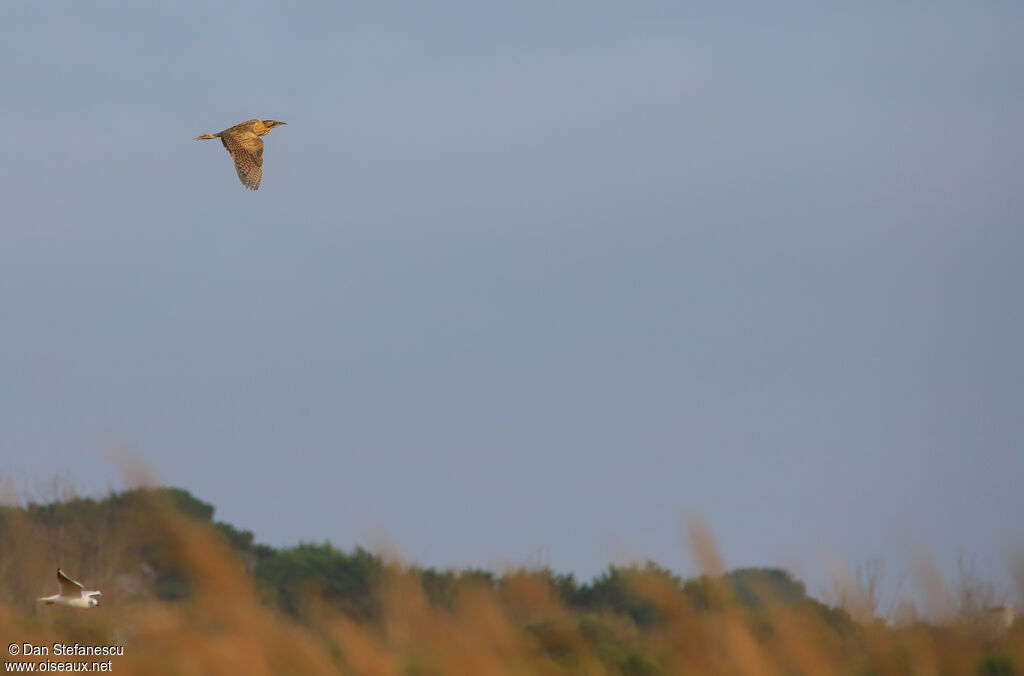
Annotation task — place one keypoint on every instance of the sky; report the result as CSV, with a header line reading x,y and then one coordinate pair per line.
x,y
527,282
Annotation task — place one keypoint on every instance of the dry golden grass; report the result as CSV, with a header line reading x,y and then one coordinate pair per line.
x,y
520,626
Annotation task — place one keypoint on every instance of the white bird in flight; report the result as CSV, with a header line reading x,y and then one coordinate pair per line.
x,y
71,594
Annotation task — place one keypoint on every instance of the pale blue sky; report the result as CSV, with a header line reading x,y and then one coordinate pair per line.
x,y
525,282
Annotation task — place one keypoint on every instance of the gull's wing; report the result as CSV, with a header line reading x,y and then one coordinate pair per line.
x,y
246,150
68,587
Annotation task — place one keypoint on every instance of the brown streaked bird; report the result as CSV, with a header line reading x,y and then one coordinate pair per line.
x,y
246,147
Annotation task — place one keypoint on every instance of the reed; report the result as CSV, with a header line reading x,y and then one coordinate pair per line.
x,y
516,623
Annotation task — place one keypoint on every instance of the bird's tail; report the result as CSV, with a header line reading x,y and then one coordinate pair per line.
x,y
207,136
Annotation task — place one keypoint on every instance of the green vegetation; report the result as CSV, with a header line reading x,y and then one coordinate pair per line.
x,y
347,579
171,575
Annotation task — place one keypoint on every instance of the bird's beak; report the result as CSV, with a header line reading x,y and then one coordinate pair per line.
x,y
280,123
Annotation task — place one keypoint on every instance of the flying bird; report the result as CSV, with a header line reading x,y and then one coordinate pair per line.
x,y
71,594
246,147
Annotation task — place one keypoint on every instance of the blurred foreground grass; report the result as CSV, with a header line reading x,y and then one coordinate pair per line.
x,y
186,596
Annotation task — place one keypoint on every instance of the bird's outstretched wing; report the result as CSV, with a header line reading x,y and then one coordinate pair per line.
x,y
247,152
68,586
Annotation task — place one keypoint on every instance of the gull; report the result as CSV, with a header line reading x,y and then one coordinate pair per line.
x,y
71,594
